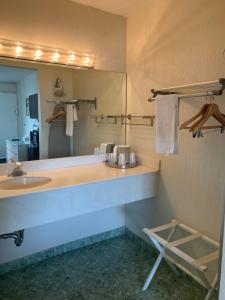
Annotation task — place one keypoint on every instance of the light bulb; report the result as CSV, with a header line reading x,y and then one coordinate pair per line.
x,y
18,50
22,50
55,56
72,57
38,54
86,60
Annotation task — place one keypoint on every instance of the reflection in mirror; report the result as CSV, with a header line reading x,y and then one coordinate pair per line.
x,y
19,117
50,111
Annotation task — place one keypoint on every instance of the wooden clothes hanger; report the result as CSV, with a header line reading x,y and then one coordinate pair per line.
x,y
207,111
61,113
212,111
199,114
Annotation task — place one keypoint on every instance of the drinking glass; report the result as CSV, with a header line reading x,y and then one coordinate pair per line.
x,y
132,158
122,160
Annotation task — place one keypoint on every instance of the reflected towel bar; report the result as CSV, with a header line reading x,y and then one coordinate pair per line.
x,y
76,102
122,118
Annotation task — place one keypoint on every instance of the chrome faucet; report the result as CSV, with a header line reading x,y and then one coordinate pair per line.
x,y
17,171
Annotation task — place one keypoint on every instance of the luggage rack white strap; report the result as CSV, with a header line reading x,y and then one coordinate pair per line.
x,y
189,259
172,246
206,259
200,264
184,240
163,227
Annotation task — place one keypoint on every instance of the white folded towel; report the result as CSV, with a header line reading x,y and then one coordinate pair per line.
x,y
71,116
167,120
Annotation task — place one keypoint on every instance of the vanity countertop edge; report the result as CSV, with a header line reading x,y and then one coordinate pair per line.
x,y
74,191
68,177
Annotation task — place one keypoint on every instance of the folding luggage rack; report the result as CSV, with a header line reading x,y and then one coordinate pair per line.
x,y
178,244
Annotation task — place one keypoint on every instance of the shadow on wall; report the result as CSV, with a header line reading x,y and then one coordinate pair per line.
x,y
159,55
171,43
145,214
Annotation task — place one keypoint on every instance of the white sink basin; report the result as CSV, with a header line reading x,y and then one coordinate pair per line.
x,y
23,182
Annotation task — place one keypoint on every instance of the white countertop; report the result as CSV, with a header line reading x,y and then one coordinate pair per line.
x,y
75,176
74,191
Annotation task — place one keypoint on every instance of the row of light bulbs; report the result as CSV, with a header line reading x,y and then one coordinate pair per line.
x,y
29,51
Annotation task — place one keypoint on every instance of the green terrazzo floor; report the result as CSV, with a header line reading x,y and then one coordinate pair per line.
x,y
112,269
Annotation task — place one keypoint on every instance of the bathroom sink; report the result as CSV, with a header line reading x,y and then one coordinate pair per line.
x,y
23,182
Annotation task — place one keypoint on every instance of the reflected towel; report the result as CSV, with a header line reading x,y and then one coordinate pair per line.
x,y
71,116
59,143
167,120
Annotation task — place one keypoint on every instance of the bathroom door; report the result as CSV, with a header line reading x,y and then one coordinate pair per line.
x,y
8,120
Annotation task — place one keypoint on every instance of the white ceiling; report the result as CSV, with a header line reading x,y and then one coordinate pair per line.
x,y
11,74
124,8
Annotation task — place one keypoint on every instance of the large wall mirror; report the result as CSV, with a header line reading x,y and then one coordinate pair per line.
x,y
51,111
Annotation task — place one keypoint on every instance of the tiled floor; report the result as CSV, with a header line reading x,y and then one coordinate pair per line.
x,y
113,269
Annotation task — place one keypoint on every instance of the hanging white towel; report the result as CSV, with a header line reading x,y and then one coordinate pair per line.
x,y
167,120
71,116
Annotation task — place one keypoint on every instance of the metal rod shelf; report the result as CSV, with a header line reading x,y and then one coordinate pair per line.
x,y
122,119
210,88
146,117
99,119
76,102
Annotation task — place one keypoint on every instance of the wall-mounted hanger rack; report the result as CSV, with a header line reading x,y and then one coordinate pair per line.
x,y
144,117
122,119
210,88
99,119
76,102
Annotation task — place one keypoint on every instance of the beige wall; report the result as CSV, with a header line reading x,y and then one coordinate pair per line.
x,y
175,42
47,76
108,87
110,90
67,25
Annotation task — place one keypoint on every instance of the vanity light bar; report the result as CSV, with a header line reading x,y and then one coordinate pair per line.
x,y
27,51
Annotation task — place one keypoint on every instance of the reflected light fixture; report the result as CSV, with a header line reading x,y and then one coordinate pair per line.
x,y
18,50
31,52
38,54
55,56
